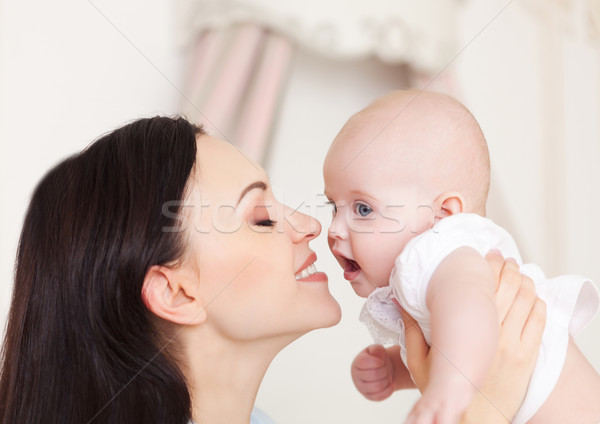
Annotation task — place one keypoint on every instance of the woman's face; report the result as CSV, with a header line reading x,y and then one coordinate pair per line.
x,y
251,253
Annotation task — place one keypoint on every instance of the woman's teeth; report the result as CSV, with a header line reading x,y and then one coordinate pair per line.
x,y
309,270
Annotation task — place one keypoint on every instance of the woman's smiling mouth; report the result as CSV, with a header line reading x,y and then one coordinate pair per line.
x,y
309,271
306,272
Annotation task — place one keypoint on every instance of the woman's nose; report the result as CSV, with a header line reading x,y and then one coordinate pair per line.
x,y
302,227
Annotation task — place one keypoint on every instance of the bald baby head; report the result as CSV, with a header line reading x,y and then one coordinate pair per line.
x,y
422,138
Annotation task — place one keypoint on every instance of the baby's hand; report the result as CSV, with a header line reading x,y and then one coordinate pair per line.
x,y
441,406
373,373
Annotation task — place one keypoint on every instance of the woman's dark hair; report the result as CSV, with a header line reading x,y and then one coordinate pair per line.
x,y
80,345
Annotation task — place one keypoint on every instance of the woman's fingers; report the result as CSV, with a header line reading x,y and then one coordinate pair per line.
x,y
417,350
416,346
507,277
508,288
522,317
531,336
496,262
520,310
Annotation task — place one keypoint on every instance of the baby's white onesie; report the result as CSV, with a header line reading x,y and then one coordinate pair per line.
x,y
571,300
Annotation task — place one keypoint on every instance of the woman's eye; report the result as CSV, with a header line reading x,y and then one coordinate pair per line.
x,y
362,210
261,216
266,223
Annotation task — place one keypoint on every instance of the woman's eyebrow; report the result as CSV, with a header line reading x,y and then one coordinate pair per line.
x,y
257,184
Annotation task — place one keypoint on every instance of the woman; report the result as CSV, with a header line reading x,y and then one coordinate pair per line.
x,y
156,279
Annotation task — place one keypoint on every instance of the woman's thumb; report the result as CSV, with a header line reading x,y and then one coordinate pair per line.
x,y
416,346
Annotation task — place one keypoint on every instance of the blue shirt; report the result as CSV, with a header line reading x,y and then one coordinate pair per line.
x,y
256,417
259,417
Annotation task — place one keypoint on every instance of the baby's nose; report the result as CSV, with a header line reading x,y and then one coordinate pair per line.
x,y
338,229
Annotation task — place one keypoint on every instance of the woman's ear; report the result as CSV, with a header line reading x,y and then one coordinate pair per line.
x,y
168,294
447,204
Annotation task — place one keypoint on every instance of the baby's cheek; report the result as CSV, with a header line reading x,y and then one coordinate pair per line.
x,y
382,251
330,241
395,244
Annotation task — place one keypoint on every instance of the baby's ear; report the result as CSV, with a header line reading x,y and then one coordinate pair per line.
x,y
170,294
447,204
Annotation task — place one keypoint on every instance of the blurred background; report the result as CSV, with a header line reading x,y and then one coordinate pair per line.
x,y
279,79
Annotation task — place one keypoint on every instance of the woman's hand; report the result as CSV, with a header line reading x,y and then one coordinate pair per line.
x,y
522,317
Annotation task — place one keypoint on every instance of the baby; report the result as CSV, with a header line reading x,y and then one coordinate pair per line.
x,y
408,179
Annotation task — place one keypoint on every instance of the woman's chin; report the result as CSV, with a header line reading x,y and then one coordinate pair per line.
x,y
330,314
334,311
336,315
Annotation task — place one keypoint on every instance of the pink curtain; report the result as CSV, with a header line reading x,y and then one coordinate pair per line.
x,y
236,80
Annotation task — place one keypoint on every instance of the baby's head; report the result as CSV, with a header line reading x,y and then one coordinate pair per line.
x,y
407,160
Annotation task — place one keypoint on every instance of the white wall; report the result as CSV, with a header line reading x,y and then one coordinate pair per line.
x,y
507,80
68,75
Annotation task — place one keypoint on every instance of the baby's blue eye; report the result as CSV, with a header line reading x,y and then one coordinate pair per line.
x,y
362,209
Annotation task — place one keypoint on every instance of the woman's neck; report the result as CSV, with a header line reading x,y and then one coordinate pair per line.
x,y
224,376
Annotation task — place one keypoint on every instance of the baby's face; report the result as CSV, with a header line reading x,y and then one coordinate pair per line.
x,y
376,209
388,174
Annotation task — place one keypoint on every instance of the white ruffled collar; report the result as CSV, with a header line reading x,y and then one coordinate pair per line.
x,y
382,317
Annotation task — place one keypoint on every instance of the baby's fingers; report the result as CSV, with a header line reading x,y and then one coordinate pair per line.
x,y
371,375
370,358
381,395
371,388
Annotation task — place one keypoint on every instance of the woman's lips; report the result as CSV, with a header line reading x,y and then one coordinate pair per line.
x,y
316,277
309,261
309,271
351,270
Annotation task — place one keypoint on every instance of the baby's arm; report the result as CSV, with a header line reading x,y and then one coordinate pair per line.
x,y
464,335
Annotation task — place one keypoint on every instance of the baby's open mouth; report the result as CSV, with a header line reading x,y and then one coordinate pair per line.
x,y
351,269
